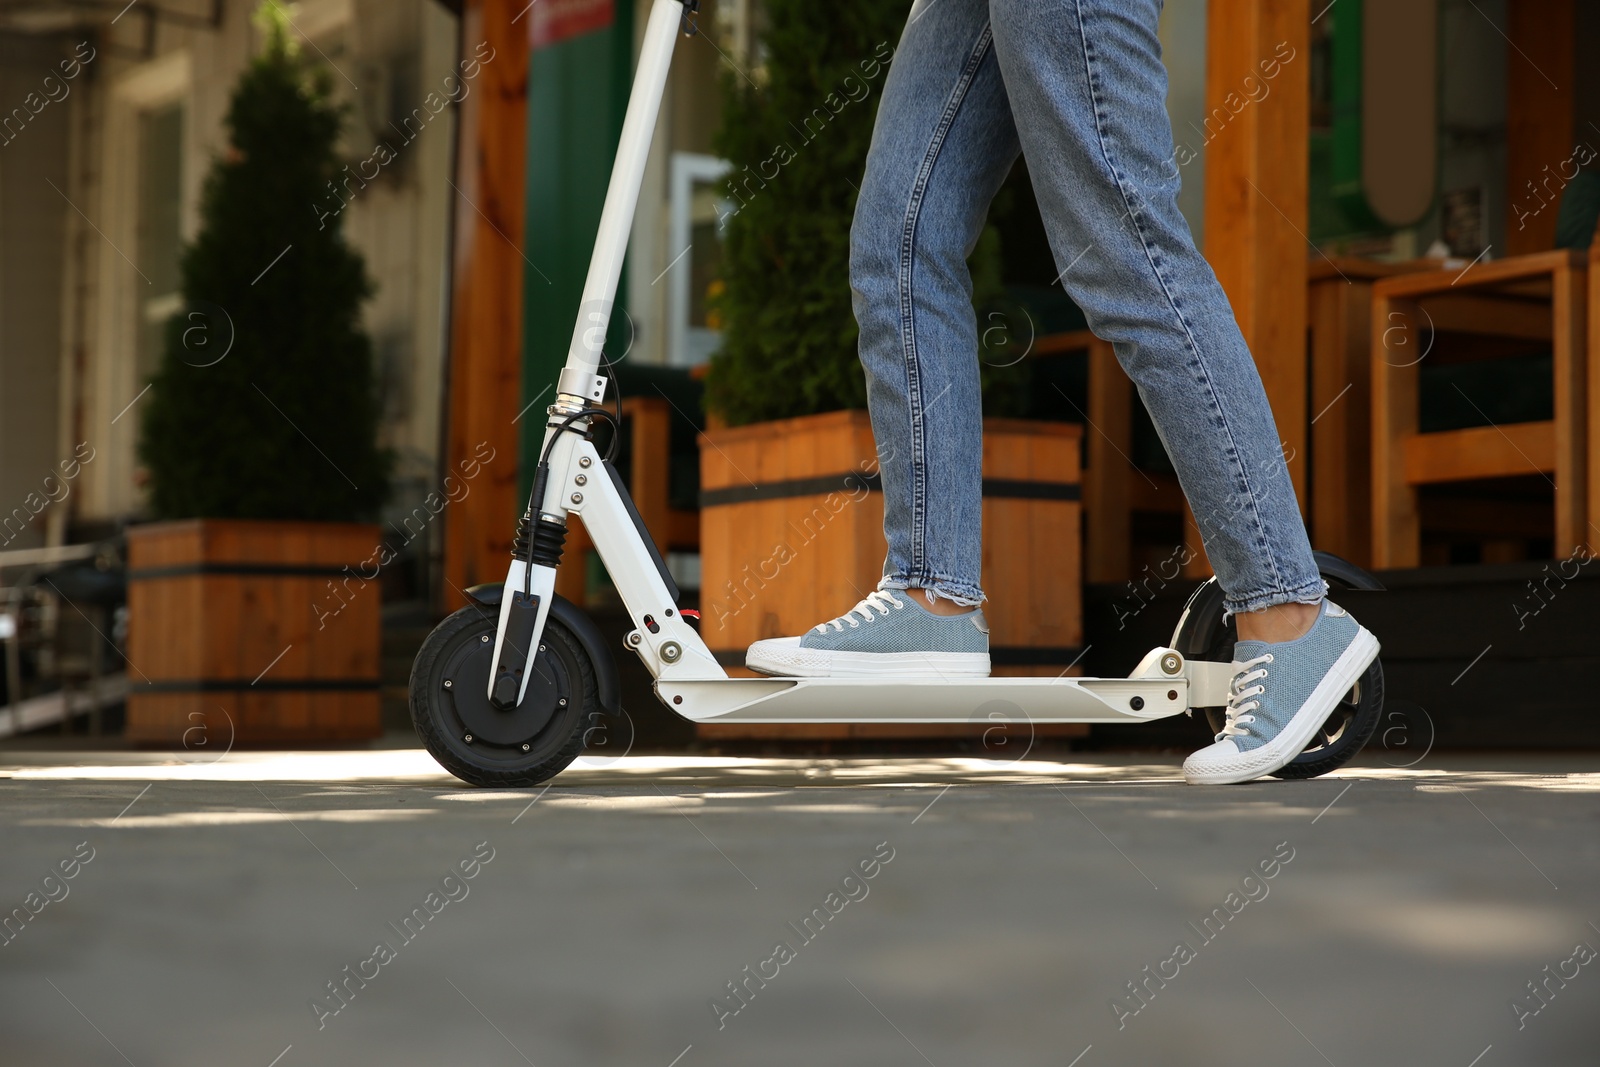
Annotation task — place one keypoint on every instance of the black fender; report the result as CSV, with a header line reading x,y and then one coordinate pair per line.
x,y
1200,626
583,628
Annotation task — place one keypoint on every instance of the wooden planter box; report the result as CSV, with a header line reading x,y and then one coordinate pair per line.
x,y
791,534
257,632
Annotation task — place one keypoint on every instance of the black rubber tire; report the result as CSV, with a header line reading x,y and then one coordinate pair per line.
x,y
451,651
1353,723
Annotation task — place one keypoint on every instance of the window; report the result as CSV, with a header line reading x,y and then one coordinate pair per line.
x,y
160,238
698,208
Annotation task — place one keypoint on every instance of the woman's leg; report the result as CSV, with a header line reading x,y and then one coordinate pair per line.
x,y
943,144
1089,92
1086,83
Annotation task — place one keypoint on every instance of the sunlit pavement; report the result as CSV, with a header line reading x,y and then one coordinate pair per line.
x,y
1008,909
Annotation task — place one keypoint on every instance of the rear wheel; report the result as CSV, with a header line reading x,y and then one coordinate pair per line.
x,y
479,743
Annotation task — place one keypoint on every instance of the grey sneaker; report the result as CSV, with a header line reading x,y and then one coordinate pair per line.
x,y
1281,693
888,633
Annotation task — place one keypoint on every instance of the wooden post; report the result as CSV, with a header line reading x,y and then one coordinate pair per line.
x,y
1589,530
1539,112
1108,478
1569,312
1257,170
485,358
1398,341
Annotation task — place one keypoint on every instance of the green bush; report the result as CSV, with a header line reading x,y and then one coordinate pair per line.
x,y
284,425
789,336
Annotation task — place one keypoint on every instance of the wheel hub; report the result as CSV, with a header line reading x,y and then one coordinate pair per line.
x,y
467,672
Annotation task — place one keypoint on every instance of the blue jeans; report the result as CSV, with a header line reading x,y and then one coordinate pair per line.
x,y
1078,86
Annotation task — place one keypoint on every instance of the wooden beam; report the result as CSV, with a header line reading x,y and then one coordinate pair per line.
x,y
1539,118
1589,532
1256,195
1340,328
1504,451
1108,479
484,365
1569,309
1396,350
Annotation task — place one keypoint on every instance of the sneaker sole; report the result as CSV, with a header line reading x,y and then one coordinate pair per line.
x,y
824,663
1281,750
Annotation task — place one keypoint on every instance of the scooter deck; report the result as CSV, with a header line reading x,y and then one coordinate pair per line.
x,y
925,700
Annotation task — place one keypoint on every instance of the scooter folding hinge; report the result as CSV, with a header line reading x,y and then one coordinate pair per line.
x,y
575,382
1209,682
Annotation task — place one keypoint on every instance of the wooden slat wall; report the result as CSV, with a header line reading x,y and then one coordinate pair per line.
x,y
1539,106
485,359
1256,199
1033,549
748,593
833,556
186,628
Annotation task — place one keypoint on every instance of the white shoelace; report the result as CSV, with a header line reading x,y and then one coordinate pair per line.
x,y
875,606
1241,694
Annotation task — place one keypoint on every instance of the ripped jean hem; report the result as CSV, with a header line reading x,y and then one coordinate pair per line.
x,y
938,587
1311,592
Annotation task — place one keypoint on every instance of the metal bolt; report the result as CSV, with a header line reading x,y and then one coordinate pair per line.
x,y
1172,694
467,739
484,639
526,746
636,639
577,498
448,683
1171,663
584,461
671,651
677,700
562,701
541,648
582,479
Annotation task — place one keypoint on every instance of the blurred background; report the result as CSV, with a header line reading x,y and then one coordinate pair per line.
x,y
284,290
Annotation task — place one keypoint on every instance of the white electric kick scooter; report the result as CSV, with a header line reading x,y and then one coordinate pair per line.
x,y
504,691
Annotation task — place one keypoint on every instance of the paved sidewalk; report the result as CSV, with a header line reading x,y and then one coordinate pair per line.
x,y
897,911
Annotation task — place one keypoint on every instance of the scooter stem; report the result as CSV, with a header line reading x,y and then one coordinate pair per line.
x,y
530,584
579,379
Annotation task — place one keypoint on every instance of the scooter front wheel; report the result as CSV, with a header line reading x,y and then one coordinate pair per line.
x,y
479,743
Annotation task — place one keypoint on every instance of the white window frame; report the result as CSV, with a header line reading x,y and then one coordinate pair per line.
x,y
161,82
687,345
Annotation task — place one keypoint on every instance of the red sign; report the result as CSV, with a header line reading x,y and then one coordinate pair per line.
x,y
553,21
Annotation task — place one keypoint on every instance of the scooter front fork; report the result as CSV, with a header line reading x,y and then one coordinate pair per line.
x,y
536,553
524,606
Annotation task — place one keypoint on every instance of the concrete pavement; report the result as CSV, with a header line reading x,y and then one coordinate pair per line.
x,y
275,909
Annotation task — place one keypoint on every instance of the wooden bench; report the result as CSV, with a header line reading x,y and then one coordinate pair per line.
x,y
1540,298
1339,329
1338,354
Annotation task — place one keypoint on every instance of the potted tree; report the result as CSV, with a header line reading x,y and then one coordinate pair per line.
x,y
253,609
791,523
